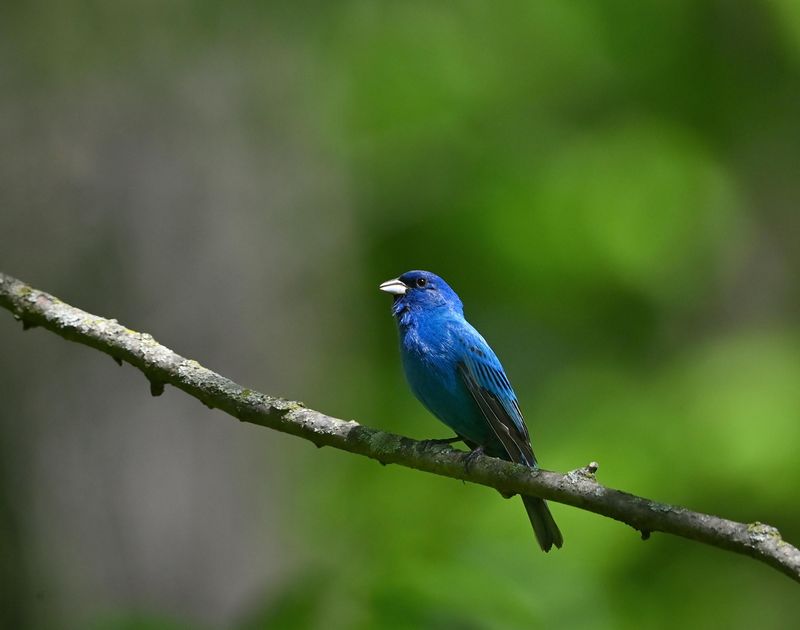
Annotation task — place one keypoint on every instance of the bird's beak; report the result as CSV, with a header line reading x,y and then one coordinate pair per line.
x,y
395,287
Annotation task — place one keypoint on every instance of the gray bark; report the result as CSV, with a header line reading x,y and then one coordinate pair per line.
x,y
578,488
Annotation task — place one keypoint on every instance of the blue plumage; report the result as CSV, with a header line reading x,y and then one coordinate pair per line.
x,y
456,375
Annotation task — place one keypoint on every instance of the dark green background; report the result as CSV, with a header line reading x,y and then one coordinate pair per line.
x,y
611,187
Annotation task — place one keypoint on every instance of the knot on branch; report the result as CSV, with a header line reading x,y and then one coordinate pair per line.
x,y
761,532
587,472
156,387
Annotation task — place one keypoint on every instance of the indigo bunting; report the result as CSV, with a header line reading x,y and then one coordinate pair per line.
x,y
458,378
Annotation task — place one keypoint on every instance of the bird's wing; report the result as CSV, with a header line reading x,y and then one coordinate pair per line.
x,y
487,383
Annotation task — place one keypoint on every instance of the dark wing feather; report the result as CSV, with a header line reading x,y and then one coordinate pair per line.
x,y
489,387
492,393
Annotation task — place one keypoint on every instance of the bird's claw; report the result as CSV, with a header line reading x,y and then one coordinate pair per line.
x,y
439,441
471,457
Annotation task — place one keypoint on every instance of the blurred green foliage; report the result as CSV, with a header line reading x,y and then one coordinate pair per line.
x,y
612,189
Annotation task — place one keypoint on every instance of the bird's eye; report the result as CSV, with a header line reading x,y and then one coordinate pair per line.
x,y
421,282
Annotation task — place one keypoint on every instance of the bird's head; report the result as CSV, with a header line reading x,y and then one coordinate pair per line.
x,y
416,291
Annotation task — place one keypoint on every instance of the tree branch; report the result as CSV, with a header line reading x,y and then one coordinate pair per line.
x,y
578,488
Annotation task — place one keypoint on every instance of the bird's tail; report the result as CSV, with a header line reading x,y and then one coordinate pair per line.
x,y
545,528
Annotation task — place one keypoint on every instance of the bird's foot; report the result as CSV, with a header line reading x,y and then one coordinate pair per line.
x,y
439,441
471,458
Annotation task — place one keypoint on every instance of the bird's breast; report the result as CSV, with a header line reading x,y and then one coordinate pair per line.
x,y
431,368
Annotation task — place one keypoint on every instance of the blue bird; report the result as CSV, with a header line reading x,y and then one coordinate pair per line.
x,y
458,378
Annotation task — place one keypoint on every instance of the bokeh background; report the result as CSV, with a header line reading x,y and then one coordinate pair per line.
x,y
611,187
